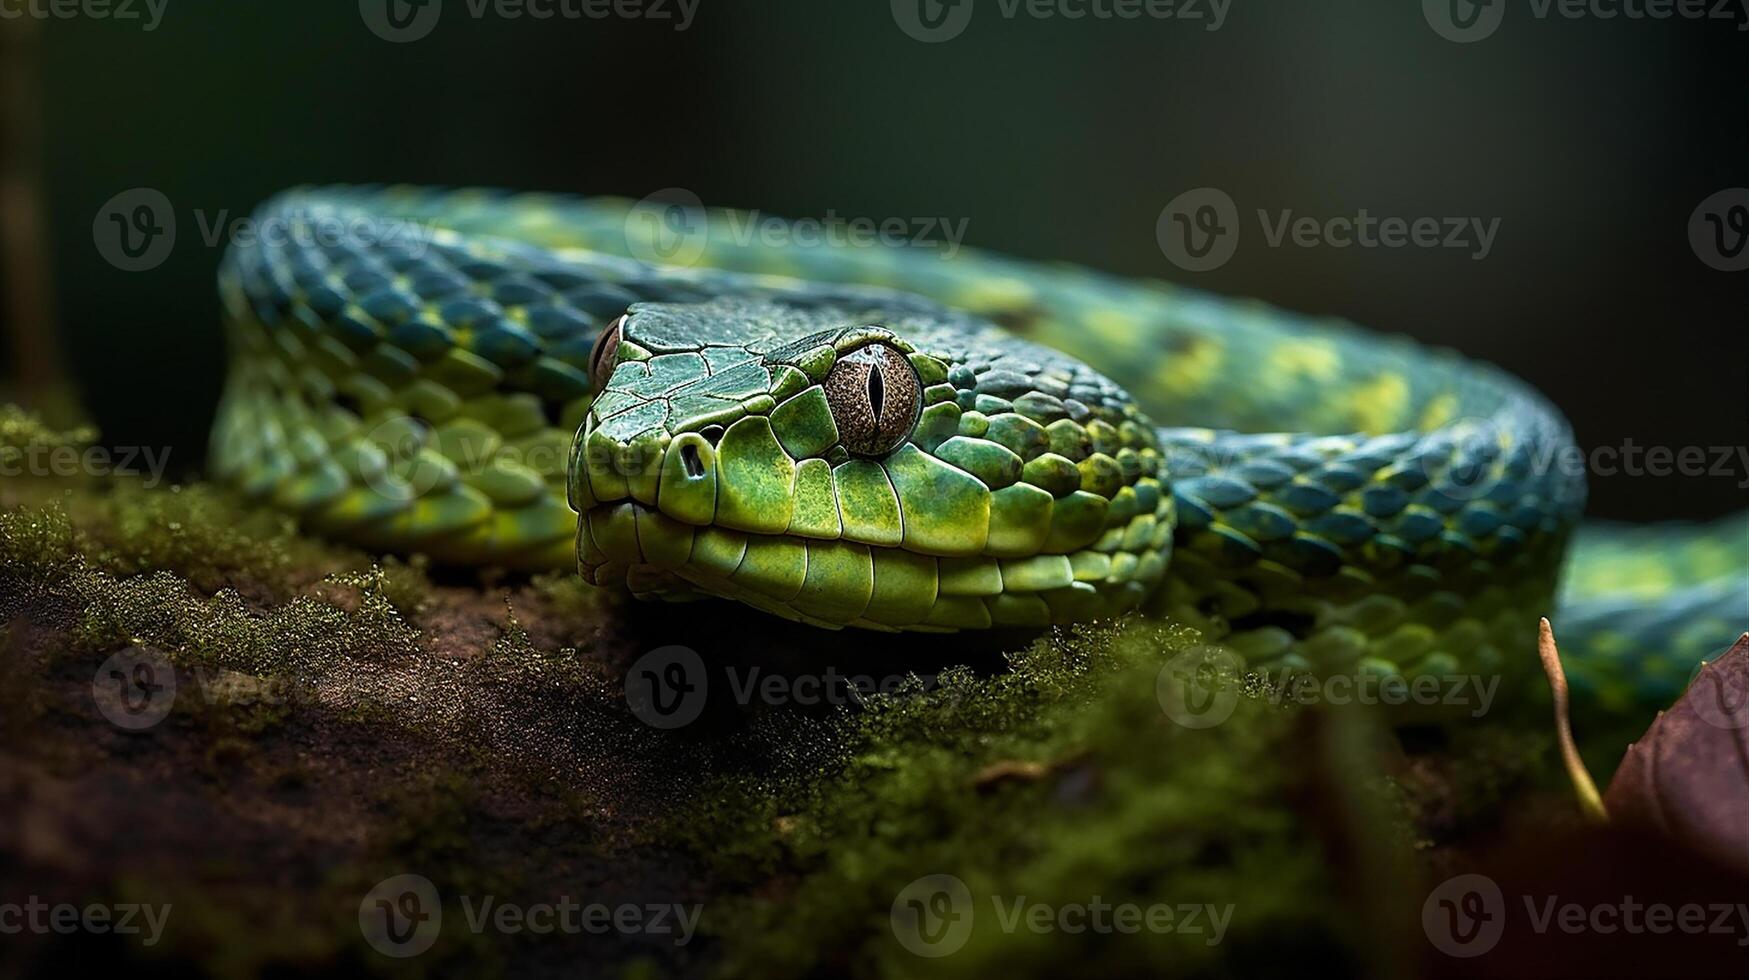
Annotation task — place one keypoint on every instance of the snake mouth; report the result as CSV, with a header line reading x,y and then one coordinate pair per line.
x,y
654,518
826,583
650,515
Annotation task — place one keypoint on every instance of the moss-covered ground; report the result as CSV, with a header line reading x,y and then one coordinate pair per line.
x,y
341,718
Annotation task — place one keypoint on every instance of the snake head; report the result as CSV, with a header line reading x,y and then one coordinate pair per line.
x,y
901,468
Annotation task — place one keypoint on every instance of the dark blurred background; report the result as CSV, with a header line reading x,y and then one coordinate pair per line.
x,y
1591,140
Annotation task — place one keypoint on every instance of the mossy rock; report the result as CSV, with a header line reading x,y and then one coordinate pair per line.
x,y
340,719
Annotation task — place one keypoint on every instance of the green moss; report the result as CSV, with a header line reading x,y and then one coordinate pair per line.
x,y
1457,787
1057,780
1061,782
198,533
37,546
429,827
202,533
22,431
405,584
572,602
204,923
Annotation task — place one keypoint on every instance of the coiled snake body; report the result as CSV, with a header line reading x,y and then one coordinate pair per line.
x,y
883,438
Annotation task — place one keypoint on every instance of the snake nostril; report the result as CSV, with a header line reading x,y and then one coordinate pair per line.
x,y
689,459
713,434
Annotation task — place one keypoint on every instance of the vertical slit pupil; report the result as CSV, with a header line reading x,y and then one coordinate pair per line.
x,y
876,390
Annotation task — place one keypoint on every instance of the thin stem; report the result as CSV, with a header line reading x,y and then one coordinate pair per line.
x,y
1589,800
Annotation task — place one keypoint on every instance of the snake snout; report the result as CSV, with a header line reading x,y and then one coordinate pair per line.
x,y
639,499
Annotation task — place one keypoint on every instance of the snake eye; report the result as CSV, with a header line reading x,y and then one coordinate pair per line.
x,y
604,356
875,398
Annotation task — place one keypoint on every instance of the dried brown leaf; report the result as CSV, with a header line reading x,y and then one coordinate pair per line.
x,y
1688,776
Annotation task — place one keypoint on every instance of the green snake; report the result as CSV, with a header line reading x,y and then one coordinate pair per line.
x,y
889,439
